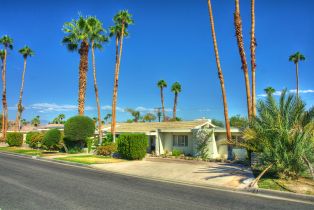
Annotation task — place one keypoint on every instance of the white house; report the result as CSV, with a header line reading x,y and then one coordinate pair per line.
x,y
164,137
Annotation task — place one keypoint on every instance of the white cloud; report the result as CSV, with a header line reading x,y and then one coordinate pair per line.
x,y
278,93
145,109
50,107
109,108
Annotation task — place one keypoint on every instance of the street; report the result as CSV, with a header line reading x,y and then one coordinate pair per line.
x,y
32,184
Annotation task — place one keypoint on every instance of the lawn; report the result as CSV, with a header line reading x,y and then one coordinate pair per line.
x,y
20,150
89,159
301,185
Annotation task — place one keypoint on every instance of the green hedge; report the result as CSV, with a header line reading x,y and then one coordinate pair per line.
x,y
34,139
52,139
106,149
78,128
29,136
15,139
132,146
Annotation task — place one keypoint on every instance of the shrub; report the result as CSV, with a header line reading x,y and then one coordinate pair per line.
x,y
106,149
51,139
36,140
15,139
107,138
132,146
77,129
176,152
29,136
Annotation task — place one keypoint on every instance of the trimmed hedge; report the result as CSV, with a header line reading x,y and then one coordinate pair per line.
x,y
29,136
15,139
52,139
78,128
35,138
132,146
106,149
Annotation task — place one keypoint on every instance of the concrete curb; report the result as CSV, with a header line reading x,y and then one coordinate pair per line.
x,y
309,199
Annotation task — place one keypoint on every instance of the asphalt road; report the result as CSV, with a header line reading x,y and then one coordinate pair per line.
x,y
32,184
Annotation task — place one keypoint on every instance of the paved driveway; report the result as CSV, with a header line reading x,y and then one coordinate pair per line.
x,y
192,172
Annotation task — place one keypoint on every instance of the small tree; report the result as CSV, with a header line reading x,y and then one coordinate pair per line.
x,y
202,138
218,123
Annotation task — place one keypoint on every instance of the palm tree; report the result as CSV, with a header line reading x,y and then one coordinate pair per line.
x,y
176,89
107,117
134,113
239,36
295,58
76,40
269,90
220,73
61,117
162,84
253,58
36,121
97,38
26,52
7,42
121,20
149,117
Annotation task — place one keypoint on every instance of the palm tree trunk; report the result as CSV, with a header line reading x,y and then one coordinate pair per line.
x,y
82,76
96,94
253,58
239,36
297,77
175,106
115,89
162,104
309,165
4,98
220,74
255,181
19,105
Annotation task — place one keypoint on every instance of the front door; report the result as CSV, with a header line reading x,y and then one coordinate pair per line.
x,y
152,143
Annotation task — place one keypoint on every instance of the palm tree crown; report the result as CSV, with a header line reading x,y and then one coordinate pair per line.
x,y
7,42
269,90
96,32
295,58
26,52
176,87
162,83
123,17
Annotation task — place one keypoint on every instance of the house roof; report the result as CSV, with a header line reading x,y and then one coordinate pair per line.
x,y
144,127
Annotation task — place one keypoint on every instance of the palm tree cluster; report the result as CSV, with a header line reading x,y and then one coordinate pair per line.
x,y
148,117
7,43
176,89
283,134
59,119
87,33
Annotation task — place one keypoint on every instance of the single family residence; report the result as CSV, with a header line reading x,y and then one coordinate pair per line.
x,y
164,137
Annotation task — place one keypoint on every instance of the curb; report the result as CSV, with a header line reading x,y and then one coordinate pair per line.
x,y
273,194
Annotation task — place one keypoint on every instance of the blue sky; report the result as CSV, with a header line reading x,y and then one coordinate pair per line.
x,y
170,40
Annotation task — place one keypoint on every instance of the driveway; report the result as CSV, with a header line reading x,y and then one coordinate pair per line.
x,y
191,172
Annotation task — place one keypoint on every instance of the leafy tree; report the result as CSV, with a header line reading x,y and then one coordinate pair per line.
x,y
134,113
7,43
220,73
36,121
239,37
295,58
239,122
283,135
25,52
176,89
77,40
122,20
97,38
162,84
149,117
218,123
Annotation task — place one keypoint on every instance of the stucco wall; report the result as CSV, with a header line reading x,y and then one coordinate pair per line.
x,y
222,149
167,143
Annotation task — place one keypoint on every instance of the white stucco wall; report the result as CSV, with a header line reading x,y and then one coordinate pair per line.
x,y
167,143
222,148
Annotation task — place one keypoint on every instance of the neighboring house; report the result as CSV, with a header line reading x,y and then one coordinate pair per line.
x,y
164,137
49,126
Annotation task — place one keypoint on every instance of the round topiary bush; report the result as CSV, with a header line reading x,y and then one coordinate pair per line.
x,y
132,146
15,139
35,140
52,139
77,129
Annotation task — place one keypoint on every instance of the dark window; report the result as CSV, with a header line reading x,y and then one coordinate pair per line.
x,y
180,141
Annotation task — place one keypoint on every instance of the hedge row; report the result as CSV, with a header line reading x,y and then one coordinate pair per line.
x,y
132,146
15,139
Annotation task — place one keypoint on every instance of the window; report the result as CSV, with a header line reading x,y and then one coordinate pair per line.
x,y
180,141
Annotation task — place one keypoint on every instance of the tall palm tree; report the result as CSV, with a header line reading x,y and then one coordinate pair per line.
x,y
270,90
176,89
107,117
26,52
220,73
77,40
97,38
7,42
162,84
253,58
295,58
121,20
239,36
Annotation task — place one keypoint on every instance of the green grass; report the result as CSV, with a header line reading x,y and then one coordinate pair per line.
x,y
89,159
268,183
20,150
